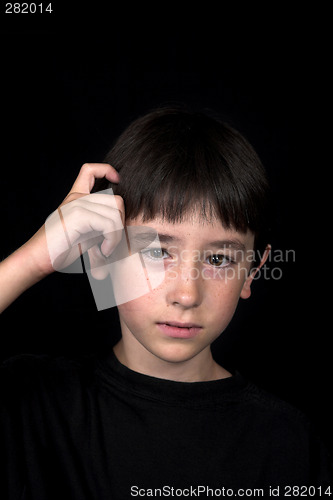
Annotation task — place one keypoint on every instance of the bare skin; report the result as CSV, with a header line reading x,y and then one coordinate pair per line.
x,y
31,262
168,332
199,299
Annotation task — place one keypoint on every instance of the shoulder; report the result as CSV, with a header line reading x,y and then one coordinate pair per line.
x,y
262,400
271,408
281,422
281,426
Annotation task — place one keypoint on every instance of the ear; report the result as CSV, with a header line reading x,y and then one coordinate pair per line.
x,y
246,290
98,268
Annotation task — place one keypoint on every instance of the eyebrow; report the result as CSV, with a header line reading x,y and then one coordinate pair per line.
x,y
233,244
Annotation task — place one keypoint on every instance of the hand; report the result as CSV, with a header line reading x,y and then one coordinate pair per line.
x,y
43,253
85,220
32,261
89,173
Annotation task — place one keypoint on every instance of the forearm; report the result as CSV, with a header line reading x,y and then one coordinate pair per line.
x,y
20,271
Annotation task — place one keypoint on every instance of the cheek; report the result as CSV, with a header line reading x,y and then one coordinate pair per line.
x,y
129,279
136,316
227,285
222,299
138,308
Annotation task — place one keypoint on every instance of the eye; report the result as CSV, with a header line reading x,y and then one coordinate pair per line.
x,y
218,260
155,253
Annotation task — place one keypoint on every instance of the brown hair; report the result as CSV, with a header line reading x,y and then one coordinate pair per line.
x,y
172,160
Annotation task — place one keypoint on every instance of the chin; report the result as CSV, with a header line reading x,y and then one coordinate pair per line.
x,y
176,353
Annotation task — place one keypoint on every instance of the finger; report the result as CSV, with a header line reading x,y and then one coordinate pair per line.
x,y
109,229
108,210
112,201
82,224
101,203
91,171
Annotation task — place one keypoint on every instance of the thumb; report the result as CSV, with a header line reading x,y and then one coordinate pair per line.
x,y
89,173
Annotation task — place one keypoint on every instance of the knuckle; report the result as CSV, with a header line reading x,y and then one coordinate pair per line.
x,y
111,225
86,167
119,201
74,210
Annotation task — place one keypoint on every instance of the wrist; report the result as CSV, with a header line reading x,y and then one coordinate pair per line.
x,y
23,268
34,257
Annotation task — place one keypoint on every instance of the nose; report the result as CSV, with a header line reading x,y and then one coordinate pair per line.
x,y
185,286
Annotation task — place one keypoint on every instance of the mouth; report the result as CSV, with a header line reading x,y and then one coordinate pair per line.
x,y
176,329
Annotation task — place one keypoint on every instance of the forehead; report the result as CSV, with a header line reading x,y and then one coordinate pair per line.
x,y
195,231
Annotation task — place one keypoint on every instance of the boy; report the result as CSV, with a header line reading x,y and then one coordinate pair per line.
x,y
157,416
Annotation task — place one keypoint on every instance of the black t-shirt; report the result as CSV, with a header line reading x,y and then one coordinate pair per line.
x,y
94,429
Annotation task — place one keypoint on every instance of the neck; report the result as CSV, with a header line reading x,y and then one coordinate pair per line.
x,y
201,368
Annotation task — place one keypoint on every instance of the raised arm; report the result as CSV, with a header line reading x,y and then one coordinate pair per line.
x,y
95,214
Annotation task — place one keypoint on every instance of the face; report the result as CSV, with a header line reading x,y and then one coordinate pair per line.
x,y
206,271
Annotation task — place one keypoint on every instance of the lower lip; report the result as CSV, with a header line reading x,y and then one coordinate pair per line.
x,y
177,332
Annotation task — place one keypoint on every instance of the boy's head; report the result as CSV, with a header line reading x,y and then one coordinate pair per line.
x,y
200,185
172,161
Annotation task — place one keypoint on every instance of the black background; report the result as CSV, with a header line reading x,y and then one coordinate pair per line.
x,y
68,89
